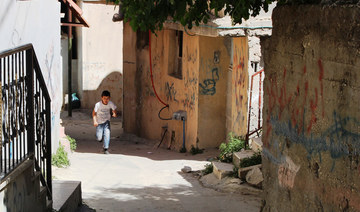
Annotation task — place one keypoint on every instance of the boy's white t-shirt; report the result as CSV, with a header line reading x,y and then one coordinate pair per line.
x,y
103,111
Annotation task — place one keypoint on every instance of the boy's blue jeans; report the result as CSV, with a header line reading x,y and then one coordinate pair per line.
x,y
103,131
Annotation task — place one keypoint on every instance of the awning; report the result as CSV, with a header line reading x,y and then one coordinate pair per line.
x,y
76,10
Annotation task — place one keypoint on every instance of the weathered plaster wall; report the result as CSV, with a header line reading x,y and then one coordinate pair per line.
x,y
311,111
129,67
38,23
180,94
239,87
141,106
213,72
100,54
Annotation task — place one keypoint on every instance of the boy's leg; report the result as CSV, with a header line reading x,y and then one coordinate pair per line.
x,y
106,134
99,132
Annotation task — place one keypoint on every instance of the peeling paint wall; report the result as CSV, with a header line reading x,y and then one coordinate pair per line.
x,y
239,87
141,106
214,62
311,156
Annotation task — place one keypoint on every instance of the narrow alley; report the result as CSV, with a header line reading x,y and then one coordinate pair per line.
x,y
138,176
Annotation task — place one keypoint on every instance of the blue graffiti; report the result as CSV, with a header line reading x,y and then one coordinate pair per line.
x,y
208,87
339,140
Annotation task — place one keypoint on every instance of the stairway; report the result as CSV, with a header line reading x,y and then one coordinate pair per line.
x,y
23,193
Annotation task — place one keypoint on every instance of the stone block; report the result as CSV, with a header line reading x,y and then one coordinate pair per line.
x,y
222,170
254,177
243,171
238,156
256,144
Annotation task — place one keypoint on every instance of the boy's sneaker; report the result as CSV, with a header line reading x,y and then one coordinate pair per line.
x,y
106,152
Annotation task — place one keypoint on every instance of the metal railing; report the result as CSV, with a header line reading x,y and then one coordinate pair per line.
x,y
259,123
25,115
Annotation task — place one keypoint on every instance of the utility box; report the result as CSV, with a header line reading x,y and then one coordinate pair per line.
x,y
179,115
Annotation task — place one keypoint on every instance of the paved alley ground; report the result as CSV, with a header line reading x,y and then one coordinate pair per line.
x,y
137,176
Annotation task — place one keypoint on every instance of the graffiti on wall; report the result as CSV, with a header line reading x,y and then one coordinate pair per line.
x,y
189,101
208,87
170,92
339,139
240,86
281,99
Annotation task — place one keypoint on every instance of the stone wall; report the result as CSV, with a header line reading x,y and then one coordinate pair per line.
x,y
311,115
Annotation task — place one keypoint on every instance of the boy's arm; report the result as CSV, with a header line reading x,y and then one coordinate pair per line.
x,y
114,113
113,108
94,118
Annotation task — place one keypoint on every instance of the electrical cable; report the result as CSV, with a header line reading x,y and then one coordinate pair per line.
x,y
165,119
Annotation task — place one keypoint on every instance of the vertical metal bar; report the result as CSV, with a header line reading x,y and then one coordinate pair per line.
x,y
5,112
8,111
37,138
69,64
48,146
21,101
17,121
259,115
1,140
249,112
30,100
4,106
23,104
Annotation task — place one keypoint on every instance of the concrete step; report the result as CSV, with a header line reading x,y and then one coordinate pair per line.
x,y
256,144
238,156
222,170
66,195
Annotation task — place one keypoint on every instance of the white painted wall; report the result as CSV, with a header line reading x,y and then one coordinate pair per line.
x,y
37,22
100,54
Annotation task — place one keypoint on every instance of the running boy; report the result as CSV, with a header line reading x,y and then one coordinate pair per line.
x,y
101,116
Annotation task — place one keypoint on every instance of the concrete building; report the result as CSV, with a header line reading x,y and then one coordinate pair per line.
x,y
24,22
21,23
203,72
97,56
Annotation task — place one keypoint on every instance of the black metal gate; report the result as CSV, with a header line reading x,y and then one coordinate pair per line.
x,y
25,114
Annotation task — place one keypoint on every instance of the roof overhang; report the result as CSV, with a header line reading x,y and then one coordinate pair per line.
x,y
76,10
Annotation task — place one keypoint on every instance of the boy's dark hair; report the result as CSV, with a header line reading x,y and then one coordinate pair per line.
x,y
105,93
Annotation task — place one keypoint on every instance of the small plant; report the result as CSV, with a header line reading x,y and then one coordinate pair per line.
x,y
196,150
235,172
235,144
183,150
251,161
60,159
72,143
208,169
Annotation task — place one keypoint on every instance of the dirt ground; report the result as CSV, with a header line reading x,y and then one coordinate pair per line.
x,y
138,176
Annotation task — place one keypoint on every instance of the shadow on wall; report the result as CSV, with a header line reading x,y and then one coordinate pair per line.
x,y
113,83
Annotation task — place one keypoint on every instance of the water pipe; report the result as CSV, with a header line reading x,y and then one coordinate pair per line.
x,y
183,146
